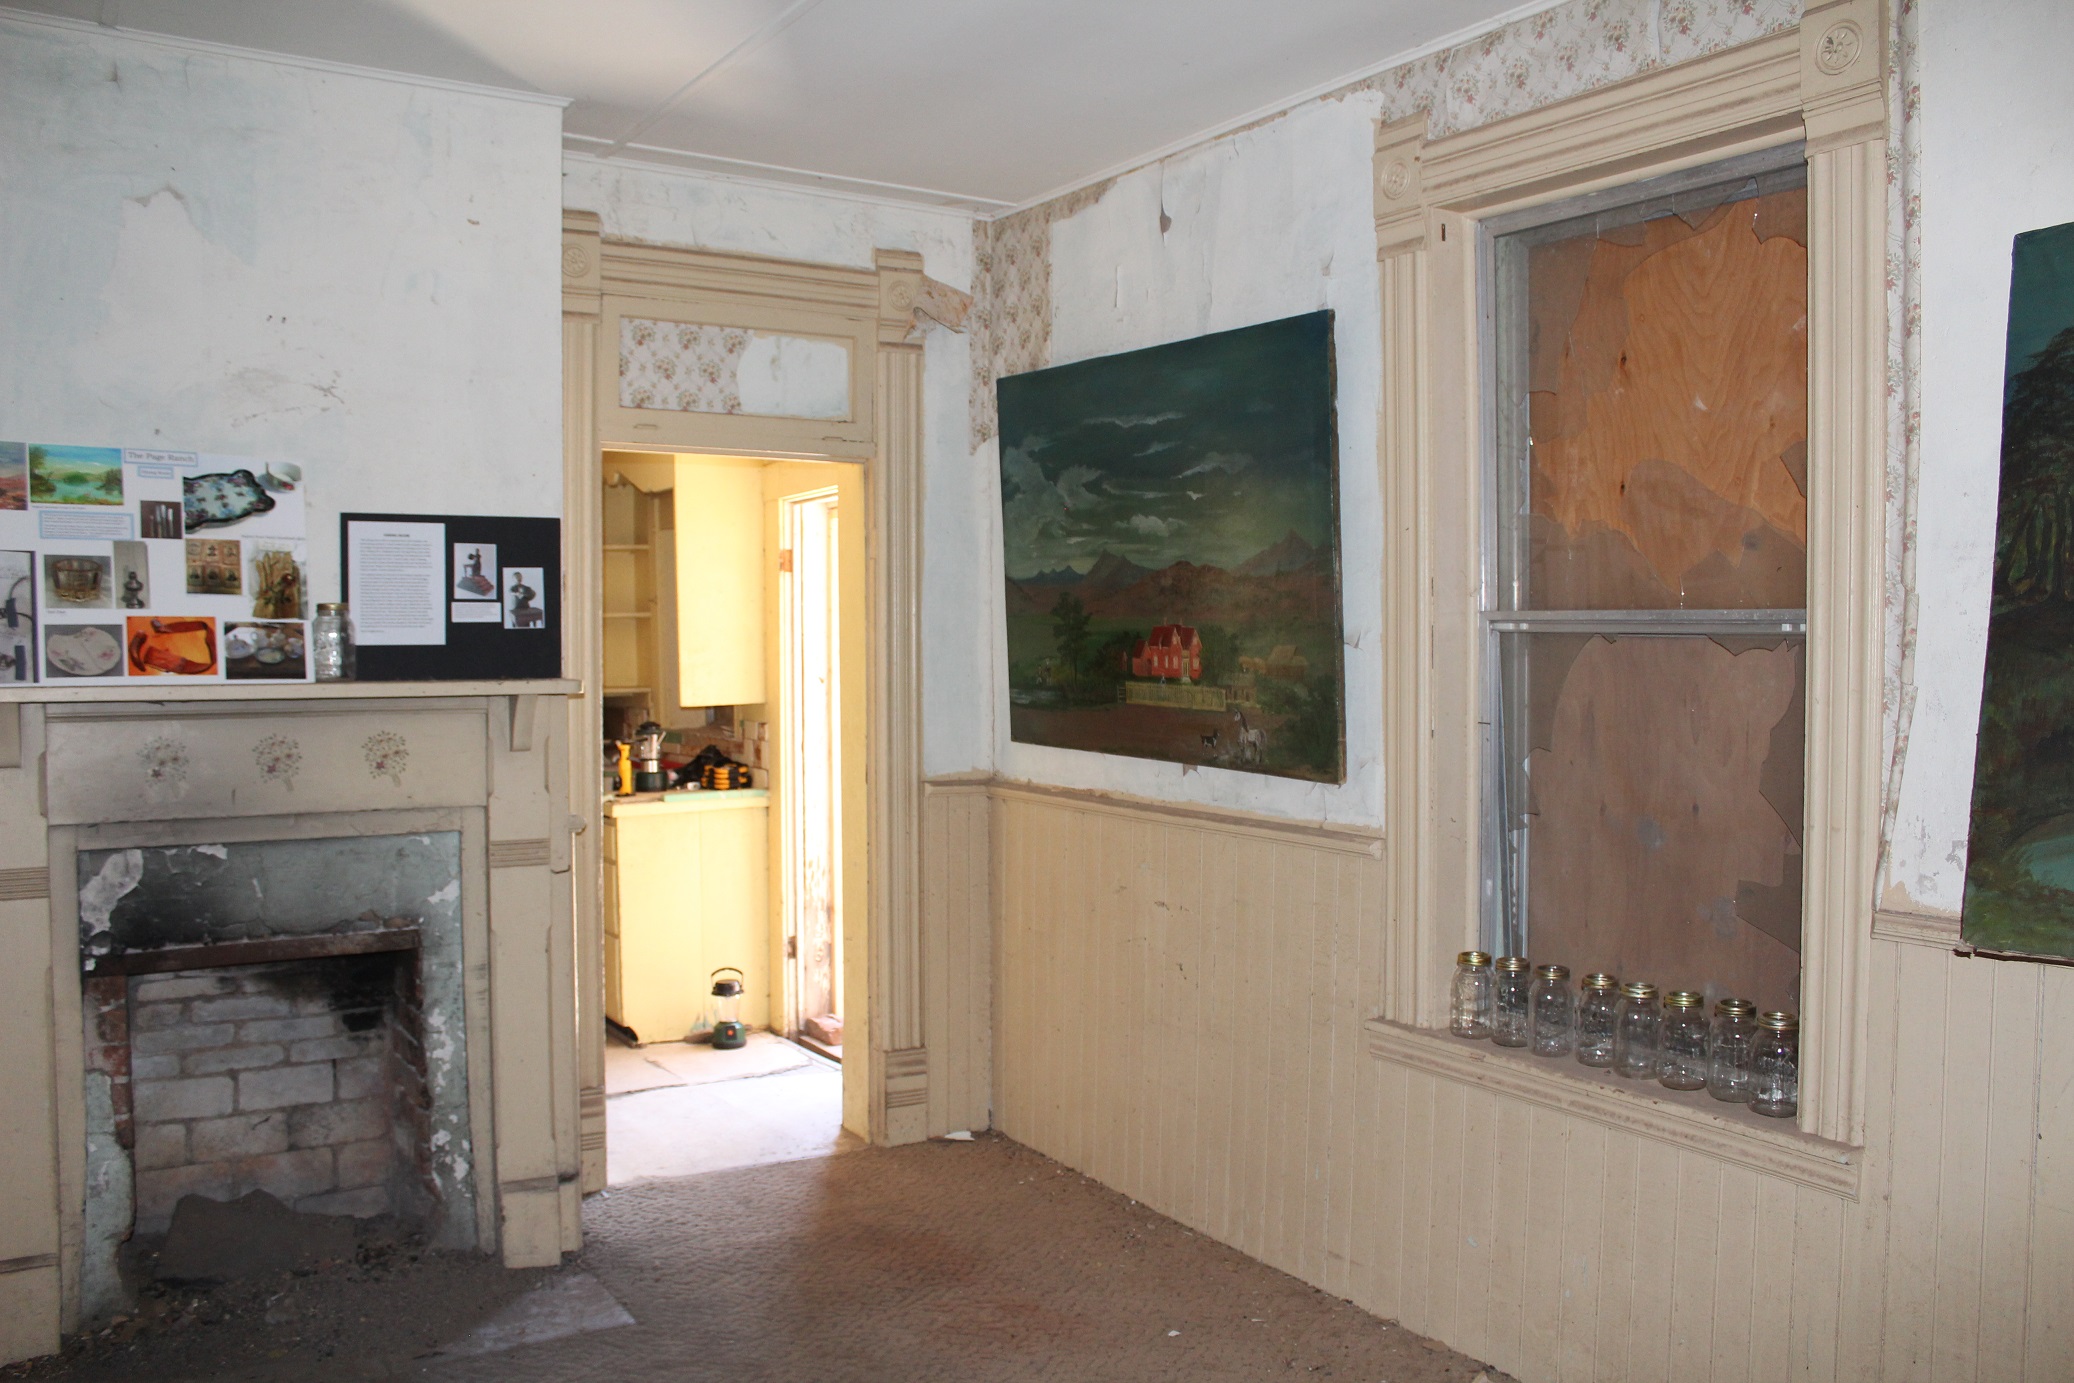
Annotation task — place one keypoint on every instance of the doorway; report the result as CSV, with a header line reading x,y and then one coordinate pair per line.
x,y
728,583
810,757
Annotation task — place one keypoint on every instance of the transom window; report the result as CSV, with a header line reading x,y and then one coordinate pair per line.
x,y
1645,581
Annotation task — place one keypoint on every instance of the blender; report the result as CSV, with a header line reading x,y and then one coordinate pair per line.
x,y
648,758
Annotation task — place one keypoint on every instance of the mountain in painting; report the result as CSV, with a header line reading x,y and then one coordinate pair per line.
x,y
1292,553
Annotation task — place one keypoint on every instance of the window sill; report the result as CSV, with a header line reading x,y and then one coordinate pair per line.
x,y
1730,1133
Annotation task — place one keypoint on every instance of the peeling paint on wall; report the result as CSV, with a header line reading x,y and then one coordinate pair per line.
x,y
221,253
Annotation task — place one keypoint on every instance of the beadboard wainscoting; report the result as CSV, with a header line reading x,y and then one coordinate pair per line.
x,y
958,954
1183,1005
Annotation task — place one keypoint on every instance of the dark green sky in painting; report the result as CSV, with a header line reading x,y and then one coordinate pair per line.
x,y
2041,294
1206,450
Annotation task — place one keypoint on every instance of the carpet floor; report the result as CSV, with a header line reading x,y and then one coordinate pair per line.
x,y
981,1262
974,1261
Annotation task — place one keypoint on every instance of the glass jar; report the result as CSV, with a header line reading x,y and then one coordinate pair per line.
x,y
1469,1013
1597,1016
1638,1035
1509,1007
331,643
1775,1066
1684,1040
1729,1076
1553,1016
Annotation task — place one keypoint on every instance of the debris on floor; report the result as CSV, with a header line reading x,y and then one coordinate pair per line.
x,y
221,1241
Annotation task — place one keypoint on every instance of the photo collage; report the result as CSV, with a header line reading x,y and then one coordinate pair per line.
x,y
119,563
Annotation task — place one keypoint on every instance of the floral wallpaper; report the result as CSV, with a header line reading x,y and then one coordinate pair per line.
x,y
1521,66
680,366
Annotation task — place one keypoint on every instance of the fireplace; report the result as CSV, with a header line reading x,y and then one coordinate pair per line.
x,y
281,926
276,1015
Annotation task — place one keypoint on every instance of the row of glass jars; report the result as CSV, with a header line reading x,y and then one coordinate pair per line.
x,y
1742,1057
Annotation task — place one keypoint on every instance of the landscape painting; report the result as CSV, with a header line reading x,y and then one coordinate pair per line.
x,y
14,476
2020,861
75,475
1170,527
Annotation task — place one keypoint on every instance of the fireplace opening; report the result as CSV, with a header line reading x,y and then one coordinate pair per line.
x,y
304,1077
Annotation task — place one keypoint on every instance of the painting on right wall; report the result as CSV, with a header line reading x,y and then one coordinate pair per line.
x,y
2020,861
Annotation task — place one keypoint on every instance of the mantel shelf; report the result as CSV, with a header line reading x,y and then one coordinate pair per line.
x,y
170,690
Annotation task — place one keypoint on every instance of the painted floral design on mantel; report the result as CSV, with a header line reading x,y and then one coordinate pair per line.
x,y
680,366
164,760
279,759
388,755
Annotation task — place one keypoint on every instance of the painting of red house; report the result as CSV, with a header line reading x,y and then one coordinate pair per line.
x,y
1170,650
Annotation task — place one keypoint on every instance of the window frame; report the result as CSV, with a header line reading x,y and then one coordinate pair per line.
x,y
1823,85
1505,928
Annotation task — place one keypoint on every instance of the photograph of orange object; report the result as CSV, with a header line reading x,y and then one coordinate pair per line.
x,y
171,647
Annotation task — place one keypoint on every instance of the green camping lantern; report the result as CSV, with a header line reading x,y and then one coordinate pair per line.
x,y
729,1030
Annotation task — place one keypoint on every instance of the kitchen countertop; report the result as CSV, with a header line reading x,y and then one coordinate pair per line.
x,y
686,800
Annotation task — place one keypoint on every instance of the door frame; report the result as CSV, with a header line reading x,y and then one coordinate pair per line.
x,y
872,311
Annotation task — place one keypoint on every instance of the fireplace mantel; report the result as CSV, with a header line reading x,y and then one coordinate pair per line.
x,y
161,764
165,689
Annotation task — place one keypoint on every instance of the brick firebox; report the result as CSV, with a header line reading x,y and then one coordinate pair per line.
x,y
303,1077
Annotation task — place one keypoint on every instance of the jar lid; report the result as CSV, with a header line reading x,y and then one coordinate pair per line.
x,y
1514,964
1639,989
1735,1008
1778,1022
1474,959
1686,998
1599,979
1553,972
331,607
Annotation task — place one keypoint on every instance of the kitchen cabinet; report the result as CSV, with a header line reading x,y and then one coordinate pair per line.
x,y
687,890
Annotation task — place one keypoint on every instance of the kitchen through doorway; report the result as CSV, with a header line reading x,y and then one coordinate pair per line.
x,y
732,763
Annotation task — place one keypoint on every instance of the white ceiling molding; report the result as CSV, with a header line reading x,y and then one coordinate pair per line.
x,y
861,190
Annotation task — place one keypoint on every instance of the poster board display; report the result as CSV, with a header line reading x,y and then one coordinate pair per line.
x,y
453,597
123,563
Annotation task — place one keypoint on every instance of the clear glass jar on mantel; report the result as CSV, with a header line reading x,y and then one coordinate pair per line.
x,y
1513,988
1775,1066
1598,1014
1638,1037
1469,1009
1684,1040
1729,1050
331,643
1553,1016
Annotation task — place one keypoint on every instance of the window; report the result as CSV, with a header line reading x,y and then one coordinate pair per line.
x,y
1645,580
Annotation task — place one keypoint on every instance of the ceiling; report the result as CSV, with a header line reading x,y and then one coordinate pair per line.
x,y
984,104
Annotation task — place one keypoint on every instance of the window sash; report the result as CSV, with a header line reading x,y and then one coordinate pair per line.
x,y
1503,244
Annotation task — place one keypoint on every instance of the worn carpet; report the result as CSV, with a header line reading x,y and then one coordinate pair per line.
x,y
969,1261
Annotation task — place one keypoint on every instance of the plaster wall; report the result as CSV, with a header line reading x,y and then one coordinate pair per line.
x,y
1269,223
225,253
659,206
1997,160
